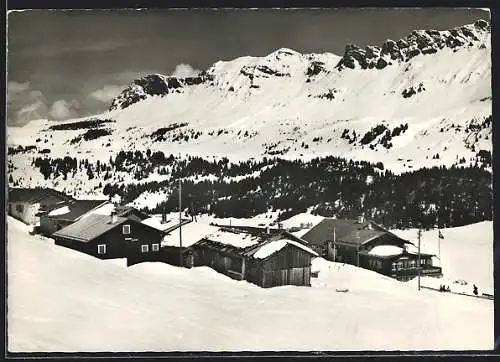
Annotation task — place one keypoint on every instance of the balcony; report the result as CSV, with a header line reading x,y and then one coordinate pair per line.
x,y
425,270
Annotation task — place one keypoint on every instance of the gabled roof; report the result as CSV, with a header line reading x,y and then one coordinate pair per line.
x,y
34,195
125,211
346,231
262,231
192,232
78,208
251,242
89,228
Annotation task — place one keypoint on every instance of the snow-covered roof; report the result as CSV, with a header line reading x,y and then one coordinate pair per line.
x,y
270,248
236,238
155,222
106,209
191,233
276,245
385,250
60,211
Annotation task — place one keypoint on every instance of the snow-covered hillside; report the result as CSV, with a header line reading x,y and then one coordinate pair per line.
x,y
62,300
402,104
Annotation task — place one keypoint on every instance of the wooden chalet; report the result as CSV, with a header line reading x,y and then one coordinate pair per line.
x,y
398,262
27,204
262,257
369,245
55,220
109,236
170,252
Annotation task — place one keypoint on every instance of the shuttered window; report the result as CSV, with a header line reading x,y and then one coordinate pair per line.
x,y
101,249
155,247
144,248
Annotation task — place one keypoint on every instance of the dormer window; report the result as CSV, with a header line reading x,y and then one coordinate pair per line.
x,y
126,229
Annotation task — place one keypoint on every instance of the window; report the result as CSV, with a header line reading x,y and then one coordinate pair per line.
x,y
155,247
126,229
145,248
393,266
19,207
101,249
413,263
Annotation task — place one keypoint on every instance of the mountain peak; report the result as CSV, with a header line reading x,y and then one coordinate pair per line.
x,y
418,42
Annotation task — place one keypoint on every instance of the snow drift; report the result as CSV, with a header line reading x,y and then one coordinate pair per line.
x,y
62,300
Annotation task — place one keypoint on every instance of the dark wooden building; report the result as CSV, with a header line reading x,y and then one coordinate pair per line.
x,y
108,237
399,264
170,251
72,211
265,258
369,245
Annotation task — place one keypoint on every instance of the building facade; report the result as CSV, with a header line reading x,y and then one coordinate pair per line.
x,y
371,246
263,257
109,237
26,204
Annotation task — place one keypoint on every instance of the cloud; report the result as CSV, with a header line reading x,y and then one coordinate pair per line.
x,y
185,70
35,110
106,93
62,109
24,104
16,87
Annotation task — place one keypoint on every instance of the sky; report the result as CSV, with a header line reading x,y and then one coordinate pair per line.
x,y
68,64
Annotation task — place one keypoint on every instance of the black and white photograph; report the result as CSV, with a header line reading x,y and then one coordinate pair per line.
x,y
247,180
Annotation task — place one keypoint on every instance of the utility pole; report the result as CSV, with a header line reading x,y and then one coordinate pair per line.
x,y
439,248
418,262
334,246
180,219
357,254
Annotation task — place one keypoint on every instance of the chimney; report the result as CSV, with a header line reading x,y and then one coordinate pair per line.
x,y
268,230
163,218
114,218
280,225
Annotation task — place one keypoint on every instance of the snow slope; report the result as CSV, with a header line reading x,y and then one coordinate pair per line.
x,y
294,105
62,300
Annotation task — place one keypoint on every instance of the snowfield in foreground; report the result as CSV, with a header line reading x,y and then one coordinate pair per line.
x,y
62,300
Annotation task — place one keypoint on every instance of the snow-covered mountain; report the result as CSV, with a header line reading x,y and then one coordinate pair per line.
x,y
417,102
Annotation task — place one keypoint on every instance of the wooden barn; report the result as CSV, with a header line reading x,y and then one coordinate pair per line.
x,y
262,257
110,236
368,245
71,212
27,204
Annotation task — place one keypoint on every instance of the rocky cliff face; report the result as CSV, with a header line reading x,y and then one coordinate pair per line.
x,y
152,85
419,42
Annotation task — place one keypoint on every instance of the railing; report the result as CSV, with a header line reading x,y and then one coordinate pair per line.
x,y
424,270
